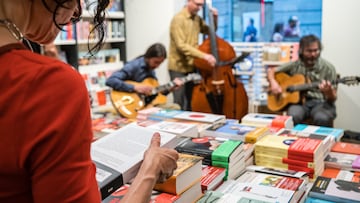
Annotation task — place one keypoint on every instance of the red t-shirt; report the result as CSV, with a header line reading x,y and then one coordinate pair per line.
x,y
45,130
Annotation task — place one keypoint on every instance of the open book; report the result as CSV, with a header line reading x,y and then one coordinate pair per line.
x,y
118,155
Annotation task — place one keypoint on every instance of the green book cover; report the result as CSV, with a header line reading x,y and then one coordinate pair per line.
x,y
224,151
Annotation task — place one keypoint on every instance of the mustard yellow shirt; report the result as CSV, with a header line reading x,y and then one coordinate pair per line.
x,y
184,39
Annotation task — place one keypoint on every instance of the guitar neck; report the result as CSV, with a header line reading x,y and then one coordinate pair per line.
x,y
168,86
305,87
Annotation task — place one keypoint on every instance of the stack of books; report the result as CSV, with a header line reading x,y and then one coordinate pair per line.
x,y
184,185
344,156
273,121
336,133
212,177
300,154
230,155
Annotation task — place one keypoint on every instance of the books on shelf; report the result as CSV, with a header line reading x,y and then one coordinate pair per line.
x,y
212,177
118,155
177,128
336,133
187,173
336,190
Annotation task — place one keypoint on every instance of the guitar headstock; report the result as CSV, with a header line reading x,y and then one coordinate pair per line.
x,y
350,80
195,77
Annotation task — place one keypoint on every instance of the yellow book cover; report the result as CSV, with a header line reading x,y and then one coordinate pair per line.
x,y
188,172
256,134
279,144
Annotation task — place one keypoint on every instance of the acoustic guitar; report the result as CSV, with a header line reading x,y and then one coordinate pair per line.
x,y
293,85
127,104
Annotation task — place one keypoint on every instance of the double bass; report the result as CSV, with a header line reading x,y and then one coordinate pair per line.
x,y
219,92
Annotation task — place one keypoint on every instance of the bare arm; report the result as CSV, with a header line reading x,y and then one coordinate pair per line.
x,y
158,165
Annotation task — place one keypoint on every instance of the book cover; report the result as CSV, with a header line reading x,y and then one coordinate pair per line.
x,y
258,119
342,161
335,190
190,195
203,146
227,151
337,133
177,128
346,147
278,181
118,155
256,192
212,177
230,130
201,117
188,172
164,114
316,200
274,145
306,149
353,176
257,134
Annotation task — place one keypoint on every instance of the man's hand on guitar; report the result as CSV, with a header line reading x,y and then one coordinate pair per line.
x,y
178,83
275,88
327,89
143,89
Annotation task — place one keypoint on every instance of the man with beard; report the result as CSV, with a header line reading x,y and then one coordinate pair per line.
x,y
318,103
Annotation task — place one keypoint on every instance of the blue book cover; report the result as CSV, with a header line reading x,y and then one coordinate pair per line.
x,y
337,133
316,200
232,129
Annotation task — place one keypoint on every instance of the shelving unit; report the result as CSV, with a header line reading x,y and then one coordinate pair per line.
x,y
110,58
252,72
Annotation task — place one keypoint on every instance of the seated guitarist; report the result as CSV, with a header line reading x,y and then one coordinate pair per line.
x,y
318,103
139,69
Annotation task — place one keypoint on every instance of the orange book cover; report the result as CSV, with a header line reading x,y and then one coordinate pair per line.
x,y
353,176
346,147
188,171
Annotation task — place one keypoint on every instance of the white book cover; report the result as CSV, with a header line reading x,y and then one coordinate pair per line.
x,y
177,128
118,155
256,192
201,117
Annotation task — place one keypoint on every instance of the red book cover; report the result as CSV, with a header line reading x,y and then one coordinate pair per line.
x,y
166,198
305,147
298,163
345,147
211,177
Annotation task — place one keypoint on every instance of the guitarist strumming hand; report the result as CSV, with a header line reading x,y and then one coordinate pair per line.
x,y
139,69
317,103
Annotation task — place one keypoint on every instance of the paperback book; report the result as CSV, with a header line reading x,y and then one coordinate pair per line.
x,y
336,133
178,128
118,155
336,190
188,172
